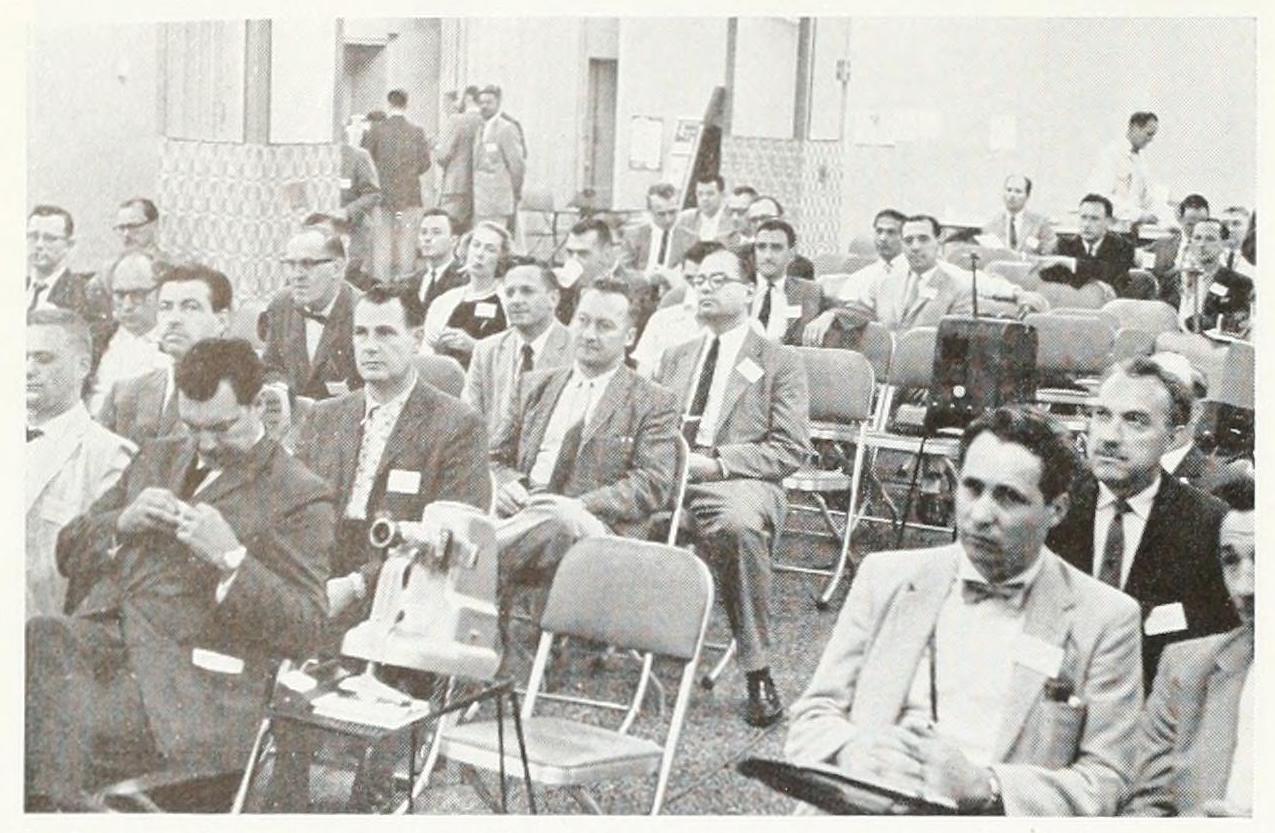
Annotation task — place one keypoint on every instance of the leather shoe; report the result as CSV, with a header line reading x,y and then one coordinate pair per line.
x,y
764,707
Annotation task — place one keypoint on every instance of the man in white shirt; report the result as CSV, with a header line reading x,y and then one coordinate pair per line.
x,y
1121,172
133,348
1016,227
782,304
987,672
674,324
706,220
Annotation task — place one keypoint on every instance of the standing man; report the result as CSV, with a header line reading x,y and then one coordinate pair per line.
x,y
194,304
401,154
1100,254
1120,174
70,461
782,304
706,220
535,340
132,346
50,282
746,418
1016,227
499,162
1135,527
436,268
455,155
360,198
988,671
1205,292
308,343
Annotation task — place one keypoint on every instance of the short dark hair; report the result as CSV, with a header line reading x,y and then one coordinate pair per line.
x,y
619,284
220,293
451,221
1100,200
745,190
491,89
396,98
780,225
1036,431
72,325
1145,367
471,91
890,214
1237,494
149,211
594,224
716,179
379,294
321,218
1142,118
701,249
547,276
200,372
779,207
1192,201
663,190
744,257
935,225
55,211
1223,231
1027,182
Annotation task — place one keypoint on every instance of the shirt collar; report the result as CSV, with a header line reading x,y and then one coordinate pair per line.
x,y
72,417
369,403
1139,504
599,382
538,343
204,464
327,310
1170,460
51,279
734,337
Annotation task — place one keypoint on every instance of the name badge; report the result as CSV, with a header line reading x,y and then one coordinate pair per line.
x,y
1038,655
1220,290
792,312
346,182
491,147
215,662
1166,618
1146,259
403,482
929,293
1033,243
749,370
485,310
337,388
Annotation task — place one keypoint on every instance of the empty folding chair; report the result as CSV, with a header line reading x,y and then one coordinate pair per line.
x,y
1020,273
1090,296
443,372
1153,317
1072,352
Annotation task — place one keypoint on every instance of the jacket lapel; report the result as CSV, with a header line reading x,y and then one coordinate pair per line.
x,y
156,398
540,413
557,347
617,392
43,468
333,331
407,431
348,440
736,383
236,477
681,366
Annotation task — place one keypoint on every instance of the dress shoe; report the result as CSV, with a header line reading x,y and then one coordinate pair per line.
x,y
764,707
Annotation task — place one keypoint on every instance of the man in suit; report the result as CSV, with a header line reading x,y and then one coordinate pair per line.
x,y
391,448
194,304
1120,175
590,253
582,450
1136,528
746,407
706,221
401,154
1016,227
50,282
782,303
190,579
1205,293
535,340
1196,739
988,671
308,342
455,155
1169,252
499,162
131,343
1236,218
660,244
762,210
137,224
1185,461
1100,255
70,460
436,268
360,199
741,196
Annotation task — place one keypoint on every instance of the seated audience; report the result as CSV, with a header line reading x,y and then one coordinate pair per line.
x,y
782,303
987,671
1169,252
1100,254
132,339
436,268
674,323
1017,228
764,209
459,317
707,219
1196,749
590,254
1205,293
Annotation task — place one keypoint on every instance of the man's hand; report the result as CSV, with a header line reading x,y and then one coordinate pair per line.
x,y
511,497
1029,302
817,330
205,531
702,467
885,754
457,341
153,510
571,510
946,770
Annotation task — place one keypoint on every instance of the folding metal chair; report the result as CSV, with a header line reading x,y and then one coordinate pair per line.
x,y
841,395
637,595
1152,317
1090,296
1020,273
443,372
1072,352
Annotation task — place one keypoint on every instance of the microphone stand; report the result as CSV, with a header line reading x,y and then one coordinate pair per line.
x,y
974,280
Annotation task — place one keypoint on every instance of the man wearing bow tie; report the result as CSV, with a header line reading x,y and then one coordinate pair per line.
x,y
309,346
988,671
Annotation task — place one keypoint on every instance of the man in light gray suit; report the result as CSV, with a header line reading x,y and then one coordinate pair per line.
x,y
988,671
499,162
1019,229
455,154
535,340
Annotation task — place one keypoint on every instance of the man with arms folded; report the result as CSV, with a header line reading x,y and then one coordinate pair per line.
x,y
987,671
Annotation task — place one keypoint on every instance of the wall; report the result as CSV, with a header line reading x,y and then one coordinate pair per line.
x,y
764,97
91,134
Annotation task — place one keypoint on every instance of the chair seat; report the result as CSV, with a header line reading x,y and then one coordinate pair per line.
x,y
893,441
559,751
817,480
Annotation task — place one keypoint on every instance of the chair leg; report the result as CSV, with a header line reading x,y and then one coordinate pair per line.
x,y
851,521
710,679
475,781
585,799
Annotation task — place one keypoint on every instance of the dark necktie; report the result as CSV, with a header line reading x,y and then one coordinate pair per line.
x,y
313,316
528,359
195,476
1013,233
1090,248
427,285
691,425
974,591
35,296
763,315
659,259
566,462
1113,552
34,434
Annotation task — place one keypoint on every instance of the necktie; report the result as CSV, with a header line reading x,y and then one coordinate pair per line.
x,y
659,259
528,357
1089,249
35,295
313,316
974,591
195,476
428,285
34,434
1013,232
1113,552
700,399
763,315
566,462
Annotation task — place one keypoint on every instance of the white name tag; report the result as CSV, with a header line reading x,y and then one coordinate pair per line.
x,y
1033,243
1146,259
346,182
1038,655
1167,618
749,370
491,147
403,482
213,661
485,310
337,388
1220,290
929,293
792,312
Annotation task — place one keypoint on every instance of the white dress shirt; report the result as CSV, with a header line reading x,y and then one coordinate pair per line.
x,y
314,329
379,419
667,327
861,286
728,350
432,274
1193,294
778,323
653,251
537,345
1239,784
708,226
1134,522
1173,458
1121,175
577,402
125,357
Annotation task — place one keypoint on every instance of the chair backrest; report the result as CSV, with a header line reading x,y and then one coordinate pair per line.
x,y
1142,284
1088,312
1153,317
631,594
841,384
1235,385
1090,296
1205,355
913,363
1130,342
443,372
1072,345
959,255
829,263
1021,273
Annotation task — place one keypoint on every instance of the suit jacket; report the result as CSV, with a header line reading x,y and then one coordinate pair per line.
x,y
164,596
455,153
1051,758
499,167
285,355
438,440
1110,264
63,481
1035,232
1188,731
1166,254
805,298
1229,294
638,241
137,408
690,218
401,154
625,467
74,291
360,183
489,380
1199,470
1176,561
450,278
763,430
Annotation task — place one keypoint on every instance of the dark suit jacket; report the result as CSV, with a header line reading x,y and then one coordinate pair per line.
x,y
440,439
136,408
78,292
451,278
455,152
806,296
1199,470
638,241
1110,264
164,596
1229,293
625,467
285,354
1176,561
360,184
401,154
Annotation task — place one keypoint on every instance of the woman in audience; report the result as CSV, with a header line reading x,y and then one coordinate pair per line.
x,y
461,316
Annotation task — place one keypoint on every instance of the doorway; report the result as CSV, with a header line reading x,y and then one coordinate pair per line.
x,y
599,156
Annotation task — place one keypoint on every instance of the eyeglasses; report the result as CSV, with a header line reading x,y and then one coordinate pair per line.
x,y
41,237
714,281
304,263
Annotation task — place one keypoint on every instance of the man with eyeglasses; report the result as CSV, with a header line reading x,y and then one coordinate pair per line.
x,y
137,224
132,347
737,212
309,347
745,405
50,282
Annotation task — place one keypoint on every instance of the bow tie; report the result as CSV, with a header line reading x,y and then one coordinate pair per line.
x,y
974,591
313,316
34,434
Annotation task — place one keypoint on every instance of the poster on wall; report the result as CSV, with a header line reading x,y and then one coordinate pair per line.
x,y
685,137
646,143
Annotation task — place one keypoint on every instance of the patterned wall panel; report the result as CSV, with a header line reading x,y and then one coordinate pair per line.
x,y
821,196
233,206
